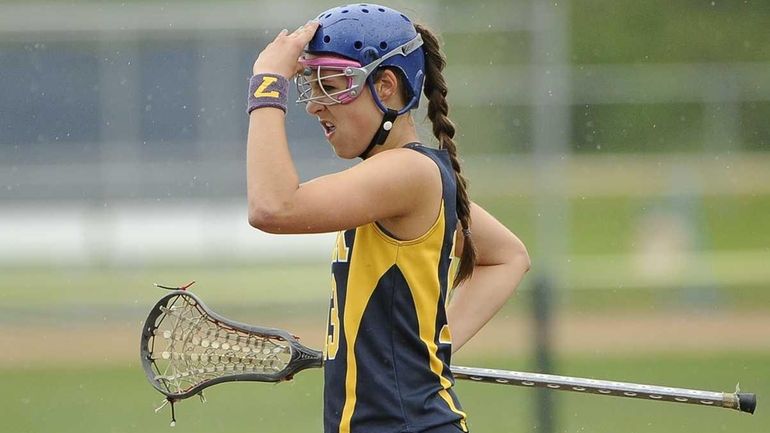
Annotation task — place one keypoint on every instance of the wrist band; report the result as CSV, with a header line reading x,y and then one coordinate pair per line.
x,y
268,90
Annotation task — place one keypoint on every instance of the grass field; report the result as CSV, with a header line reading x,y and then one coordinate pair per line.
x,y
118,399
69,384
592,283
69,334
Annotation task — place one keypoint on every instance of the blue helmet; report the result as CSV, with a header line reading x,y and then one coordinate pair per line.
x,y
377,36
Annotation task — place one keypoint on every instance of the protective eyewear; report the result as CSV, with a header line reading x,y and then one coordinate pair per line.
x,y
334,80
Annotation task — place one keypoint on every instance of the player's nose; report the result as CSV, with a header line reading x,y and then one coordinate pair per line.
x,y
313,108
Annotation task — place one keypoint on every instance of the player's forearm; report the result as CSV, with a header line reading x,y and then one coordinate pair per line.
x,y
479,298
271,176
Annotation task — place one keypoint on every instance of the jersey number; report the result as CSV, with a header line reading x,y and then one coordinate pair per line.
x,y
332,340
341,253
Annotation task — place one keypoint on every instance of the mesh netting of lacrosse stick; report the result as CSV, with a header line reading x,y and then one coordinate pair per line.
x,y
186,347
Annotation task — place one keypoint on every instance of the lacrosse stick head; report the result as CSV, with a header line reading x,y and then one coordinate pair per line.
x,y
185,347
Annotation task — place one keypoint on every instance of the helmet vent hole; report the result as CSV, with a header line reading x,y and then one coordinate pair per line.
x,y
405,18
384,45
358,45
319,16
327,39
328,15
345,11
381,9
366,11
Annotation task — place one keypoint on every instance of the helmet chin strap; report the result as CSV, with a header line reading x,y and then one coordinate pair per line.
x,y
382,132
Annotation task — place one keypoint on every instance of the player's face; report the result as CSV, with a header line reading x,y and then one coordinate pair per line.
x,y
350,126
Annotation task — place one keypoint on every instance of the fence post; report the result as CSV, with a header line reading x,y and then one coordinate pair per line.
x,y
541,307
551,101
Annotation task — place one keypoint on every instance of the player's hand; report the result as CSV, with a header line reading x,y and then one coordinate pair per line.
x,y
281,56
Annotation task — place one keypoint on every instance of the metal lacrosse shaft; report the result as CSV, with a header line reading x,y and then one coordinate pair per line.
x,y
745,402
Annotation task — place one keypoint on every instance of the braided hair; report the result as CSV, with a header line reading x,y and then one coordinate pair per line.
x,y
436,90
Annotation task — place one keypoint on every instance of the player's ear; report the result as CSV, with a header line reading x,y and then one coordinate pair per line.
x,y
387,86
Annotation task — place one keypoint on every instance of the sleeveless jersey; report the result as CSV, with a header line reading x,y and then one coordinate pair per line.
x,y
388,346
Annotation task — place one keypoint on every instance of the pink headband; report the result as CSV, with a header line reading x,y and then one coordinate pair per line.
x,y
329,62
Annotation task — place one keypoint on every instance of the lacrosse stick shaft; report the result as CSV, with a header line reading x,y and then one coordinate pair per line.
x,y
744,402
186,347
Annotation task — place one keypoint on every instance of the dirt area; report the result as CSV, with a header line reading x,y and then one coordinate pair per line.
x,y
633,334
118,344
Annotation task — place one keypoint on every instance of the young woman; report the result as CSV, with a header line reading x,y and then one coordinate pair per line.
x,y
361,69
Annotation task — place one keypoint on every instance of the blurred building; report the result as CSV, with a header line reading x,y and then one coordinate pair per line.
x,y
122,124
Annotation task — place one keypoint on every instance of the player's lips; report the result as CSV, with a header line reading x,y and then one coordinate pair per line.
x,y
328,127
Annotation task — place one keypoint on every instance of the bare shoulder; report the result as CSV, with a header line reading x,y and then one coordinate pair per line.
x,y
393,184
411,173
403,161
419,181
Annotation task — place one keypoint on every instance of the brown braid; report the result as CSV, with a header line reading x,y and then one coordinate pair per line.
x,y
444,130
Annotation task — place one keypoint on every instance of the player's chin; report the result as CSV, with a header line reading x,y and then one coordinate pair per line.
x,y
343,150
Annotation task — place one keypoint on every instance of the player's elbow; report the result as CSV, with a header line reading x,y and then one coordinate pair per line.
x,y
265,218
525,263
519,256
259,219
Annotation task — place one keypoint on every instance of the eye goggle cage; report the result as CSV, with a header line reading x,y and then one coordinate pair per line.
x,y
354,73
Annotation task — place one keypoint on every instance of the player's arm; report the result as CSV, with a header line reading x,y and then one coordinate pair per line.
x,y
380,187
501,262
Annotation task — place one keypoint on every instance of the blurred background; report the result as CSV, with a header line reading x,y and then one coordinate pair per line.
x,y
626,143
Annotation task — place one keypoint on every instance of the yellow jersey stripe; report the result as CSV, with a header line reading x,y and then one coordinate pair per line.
x,y
364,278
423,281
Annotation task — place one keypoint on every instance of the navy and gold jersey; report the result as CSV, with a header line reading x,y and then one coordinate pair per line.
x,y
388,347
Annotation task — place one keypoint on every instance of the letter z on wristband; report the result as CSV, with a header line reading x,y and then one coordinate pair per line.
x,y
268,90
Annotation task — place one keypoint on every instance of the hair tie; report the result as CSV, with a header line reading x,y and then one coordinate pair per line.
x,y
467,233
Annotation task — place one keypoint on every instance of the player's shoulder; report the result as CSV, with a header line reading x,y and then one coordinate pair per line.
x,y
405,161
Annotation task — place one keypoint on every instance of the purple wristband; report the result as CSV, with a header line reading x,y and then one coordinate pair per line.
x,y
268,90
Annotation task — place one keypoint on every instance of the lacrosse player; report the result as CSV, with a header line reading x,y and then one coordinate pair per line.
x,y
401,215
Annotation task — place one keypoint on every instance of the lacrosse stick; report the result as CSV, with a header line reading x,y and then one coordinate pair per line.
x,y
186,347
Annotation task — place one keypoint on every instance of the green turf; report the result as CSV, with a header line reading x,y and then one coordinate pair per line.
x,y
659,31
118,399
88,295
70,287
614,225
732,234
